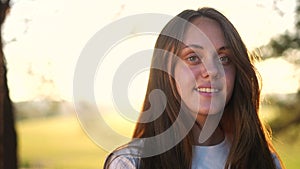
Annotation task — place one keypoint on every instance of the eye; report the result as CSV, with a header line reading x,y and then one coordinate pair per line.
x,y
193,59
224,60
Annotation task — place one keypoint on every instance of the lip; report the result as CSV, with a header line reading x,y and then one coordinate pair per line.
x,y
207,90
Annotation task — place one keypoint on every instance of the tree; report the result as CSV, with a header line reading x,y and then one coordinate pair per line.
x,y
286,45
8,141
286,41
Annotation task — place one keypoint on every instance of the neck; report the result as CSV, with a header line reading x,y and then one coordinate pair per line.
x,y
216,138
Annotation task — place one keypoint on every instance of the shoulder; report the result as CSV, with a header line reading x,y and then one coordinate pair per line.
x,y
125,157
276,161
121,162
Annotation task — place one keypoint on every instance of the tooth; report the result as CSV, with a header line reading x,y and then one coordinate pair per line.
x,y
207,90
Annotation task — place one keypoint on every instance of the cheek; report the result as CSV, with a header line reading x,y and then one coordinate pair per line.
x,y
230,80
185,79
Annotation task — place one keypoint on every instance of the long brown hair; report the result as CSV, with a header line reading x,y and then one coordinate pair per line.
x,y
250,143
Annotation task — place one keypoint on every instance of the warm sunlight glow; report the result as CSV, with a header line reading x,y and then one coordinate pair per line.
x,y
279,76
43,39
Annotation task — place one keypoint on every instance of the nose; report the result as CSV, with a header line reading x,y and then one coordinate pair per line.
x,y
210,68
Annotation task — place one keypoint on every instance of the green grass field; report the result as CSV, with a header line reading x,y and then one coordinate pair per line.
x,y
289,151
57,143
60,143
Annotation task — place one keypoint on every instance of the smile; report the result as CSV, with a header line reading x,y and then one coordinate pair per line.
x,y
207,90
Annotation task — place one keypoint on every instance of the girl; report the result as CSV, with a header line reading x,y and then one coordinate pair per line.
x,y
212,96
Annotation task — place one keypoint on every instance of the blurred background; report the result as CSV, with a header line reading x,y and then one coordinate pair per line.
x,y
43,40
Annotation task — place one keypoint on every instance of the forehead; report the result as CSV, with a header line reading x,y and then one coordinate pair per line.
x,y
204,32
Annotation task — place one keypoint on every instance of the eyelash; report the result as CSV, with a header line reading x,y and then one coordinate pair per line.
x,y
227,61
191,59
224,60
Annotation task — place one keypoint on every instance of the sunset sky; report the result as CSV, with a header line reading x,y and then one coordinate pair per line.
x,y
44,39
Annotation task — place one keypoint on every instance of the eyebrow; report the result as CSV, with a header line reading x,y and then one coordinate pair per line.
x,y
201,47
223,48
193,46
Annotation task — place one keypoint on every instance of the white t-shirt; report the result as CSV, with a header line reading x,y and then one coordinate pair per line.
x,y
210,157
204,157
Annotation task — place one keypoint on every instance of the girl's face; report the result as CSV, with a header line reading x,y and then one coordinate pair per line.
x,y
204,74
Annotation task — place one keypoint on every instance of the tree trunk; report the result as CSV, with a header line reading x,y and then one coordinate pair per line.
x,y
8,147
8,140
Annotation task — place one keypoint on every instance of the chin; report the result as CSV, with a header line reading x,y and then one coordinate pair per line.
x,y
212,111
